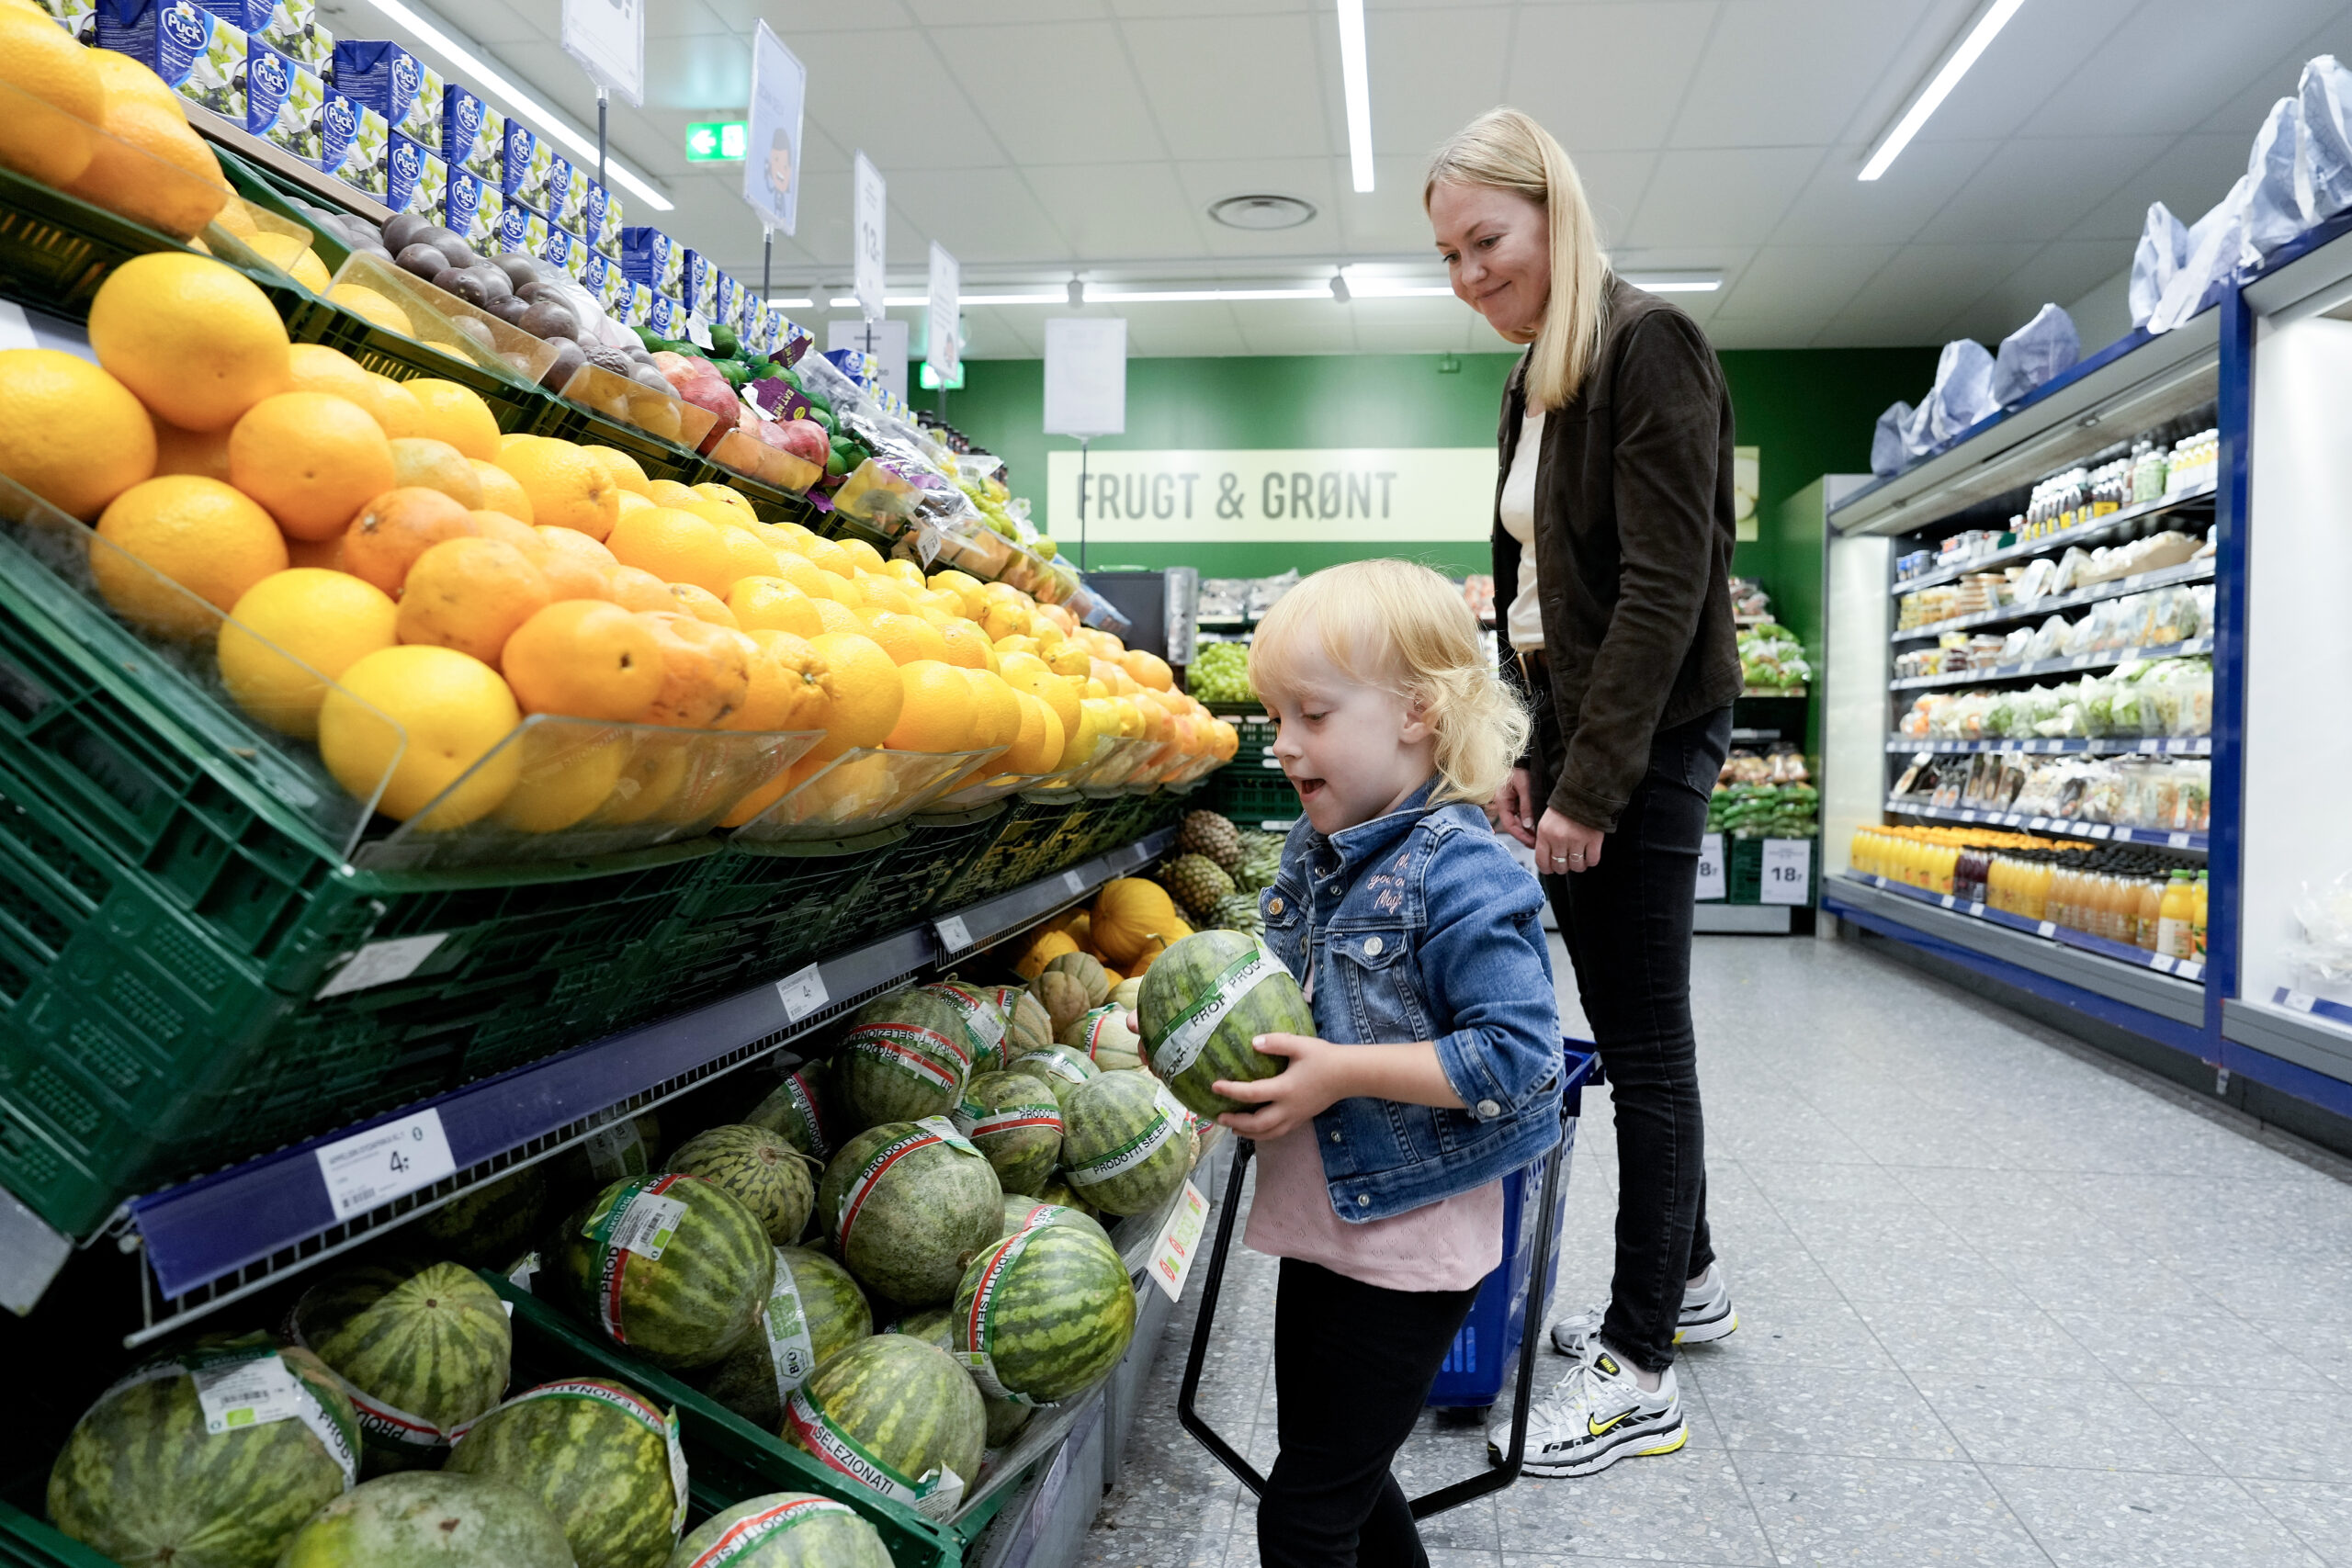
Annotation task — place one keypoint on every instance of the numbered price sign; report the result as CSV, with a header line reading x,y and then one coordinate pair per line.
x,y
1788,871
369,1169
1713,886
870,209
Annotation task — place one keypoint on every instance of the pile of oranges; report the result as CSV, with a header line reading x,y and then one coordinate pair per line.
x,y
382,550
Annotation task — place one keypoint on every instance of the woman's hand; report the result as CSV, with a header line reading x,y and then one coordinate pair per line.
x,y
1314,1078
1514,807
1564,846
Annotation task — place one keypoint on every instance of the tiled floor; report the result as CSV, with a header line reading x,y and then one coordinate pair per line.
x,y
1998,1306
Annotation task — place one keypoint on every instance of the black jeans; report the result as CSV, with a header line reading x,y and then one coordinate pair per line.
x,y
1352,1368
1627,926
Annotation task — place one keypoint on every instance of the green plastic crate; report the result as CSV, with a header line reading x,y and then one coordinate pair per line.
x,y
1252,796
568,420
265,188
517,405
758,911
907,882
1014,844
27,1543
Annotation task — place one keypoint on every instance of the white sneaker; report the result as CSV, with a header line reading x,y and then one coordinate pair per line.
x,y
1707,1315
1597,1415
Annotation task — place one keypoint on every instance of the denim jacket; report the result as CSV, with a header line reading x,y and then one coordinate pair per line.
x,y
1418,925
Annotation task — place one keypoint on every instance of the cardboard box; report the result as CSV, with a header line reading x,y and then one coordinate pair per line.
x,y
291,27
520,230
649,257
199,55
415,179
600,221
559,205
694,282
285,103
637,305
566,249
351,144
472,209
666,318
473,136
381,75
522,165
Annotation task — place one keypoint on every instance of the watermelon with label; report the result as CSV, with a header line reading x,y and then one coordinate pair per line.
x,y
1061,1068
142,1480
613,1152
427,1518
909,1207
896,1415
760,1168
1208,998
825,1313
983,1012
1014,1120
1022,1213
783,1529
1124,1147
905,1057
491,1225
671,1267
798,1111
1104,1035
422,1349
936,1325
1062,1195
1045,1312
598,1456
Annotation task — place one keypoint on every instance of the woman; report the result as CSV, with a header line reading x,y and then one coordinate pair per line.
x,y
1612,544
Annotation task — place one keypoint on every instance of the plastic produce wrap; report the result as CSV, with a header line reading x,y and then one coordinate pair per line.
x,y
2216,245
2044,347
2275,212
2324,161
1887,450
1963,390
2162,252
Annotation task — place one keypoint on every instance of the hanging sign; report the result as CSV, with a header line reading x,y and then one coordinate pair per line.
x,y
607,37
870,213
944,332
772,141
1341,495
1086,376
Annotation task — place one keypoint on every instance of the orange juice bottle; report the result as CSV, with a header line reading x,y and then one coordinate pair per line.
x,y
2176,926
2152,897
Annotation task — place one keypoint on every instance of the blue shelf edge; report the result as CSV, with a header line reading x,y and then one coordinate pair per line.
x,y
2048,931
2160,837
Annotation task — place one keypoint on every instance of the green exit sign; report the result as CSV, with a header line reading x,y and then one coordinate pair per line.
x,y
931,378
717,140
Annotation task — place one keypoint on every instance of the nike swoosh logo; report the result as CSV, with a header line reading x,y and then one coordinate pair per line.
x,y
1605,1428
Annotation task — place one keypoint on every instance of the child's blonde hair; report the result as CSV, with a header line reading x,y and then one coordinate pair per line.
x,y
1400,627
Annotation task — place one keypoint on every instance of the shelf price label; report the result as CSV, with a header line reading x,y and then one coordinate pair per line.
x,y
802,992
369,1169
2298,1002
1172,1254
1788,870
954,934
2046,928
1075,883
1710,868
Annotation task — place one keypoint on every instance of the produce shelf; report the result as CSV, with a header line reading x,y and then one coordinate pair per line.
x,y
2042,930
2074,665
2167,577
2081,533
2106,746
2161,837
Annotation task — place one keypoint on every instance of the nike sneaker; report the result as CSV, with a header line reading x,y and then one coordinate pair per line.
x,y
1598,1415
1707,1315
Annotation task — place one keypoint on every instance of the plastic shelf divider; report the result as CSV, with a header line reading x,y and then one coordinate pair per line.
x,y
2160,837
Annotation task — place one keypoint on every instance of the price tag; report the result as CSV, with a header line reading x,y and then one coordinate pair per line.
x,y
2038,823
15,327
2298,1002
1710,868
1968,817
1171,1254
246,1393
1788,870
2100,830
1949,901
1977,910
1075,883
2080,661
380,963
2178,841
954,936
2046,928
371,1168
2190,971
2160,962
699,332
1271,765
802,992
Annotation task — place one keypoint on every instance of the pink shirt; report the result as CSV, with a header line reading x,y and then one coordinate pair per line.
x,y
1450,1244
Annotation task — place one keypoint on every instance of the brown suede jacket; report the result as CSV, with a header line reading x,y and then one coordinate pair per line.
x,y
1634,534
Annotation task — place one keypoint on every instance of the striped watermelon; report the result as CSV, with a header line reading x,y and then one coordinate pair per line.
x,y
1209,995
142,1482
816,1312
936,1325
760,1168
905,1057
420,1349
908,1206
430,1518
1061,1067
492,1226
798,1109
1045,1312
614,1152
783,1529
1102,1034
597,1455
983,1014
674,1267
1022,1213
896,1415
1062,1195
1027,1025
1124,1148
1013,1119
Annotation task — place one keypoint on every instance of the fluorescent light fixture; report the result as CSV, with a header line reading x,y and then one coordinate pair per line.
x,y
849,301
792,304
1357,84
1980,36
1675,282
488,78
1357,292
1009,300
1374,289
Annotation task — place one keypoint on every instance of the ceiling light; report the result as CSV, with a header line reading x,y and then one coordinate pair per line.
x,y
1980,36
1358,88
1339,287
792,304
485,78
1262,211
1010,300
1197,296
1675,282
1076,291
1374,288
895,301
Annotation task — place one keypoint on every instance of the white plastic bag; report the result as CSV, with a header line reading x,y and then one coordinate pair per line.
x,y
2323,154
2216,246
2045,347
1919,431
2273,213
2164,250
1887,456
1963,390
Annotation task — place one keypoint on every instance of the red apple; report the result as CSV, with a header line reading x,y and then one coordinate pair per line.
x,y
699,383
805,438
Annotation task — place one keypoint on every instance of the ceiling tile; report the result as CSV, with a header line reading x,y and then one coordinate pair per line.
x,y
2035,57
1234,86
2191,174
935,129
2037,188
972,13
984,216
1317,181
1081,102
1421,93
1113,211
1834,206
1605,75
2188,60
1799,282
1731,195
1791,73
2059,274
1160,330
789,19
1926,284
1297,329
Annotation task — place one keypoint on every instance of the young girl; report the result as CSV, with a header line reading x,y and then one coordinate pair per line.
x,y
1383,1143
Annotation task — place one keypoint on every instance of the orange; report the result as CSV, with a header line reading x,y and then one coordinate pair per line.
x,y
291,634
885,592
802,699
1070,658
69,433
470,594
841,590
1027,672
585,659
705,677
458,415
522,536
938,712
435,465
862,555
965,586
153,169
314,367
199,343
181,451
568,488
1038,748
996,709
369,305
448,712
311,459
1149,670
46,132
573,572
632,501
968,645
397,409
864,690
670,493
291,256
833,557
1004,618
833,616
774,690
770,603
197,532
803,573
501,493
624,468
702,605
745,555
633,588
1227,741
568,771
396,527
907,639
572,542
724,496
676,546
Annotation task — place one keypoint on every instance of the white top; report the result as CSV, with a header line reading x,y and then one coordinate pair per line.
x,y
1523,622
1450,1244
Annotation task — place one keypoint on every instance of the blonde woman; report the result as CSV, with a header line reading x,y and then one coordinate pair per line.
x,y
1612,547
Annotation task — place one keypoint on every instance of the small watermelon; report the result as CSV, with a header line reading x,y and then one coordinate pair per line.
x,y
1209,995
491,1225
1104,1035
142,1480
798,1110
1045,1312
1022,1213
599,1457
983,1015
894,1415
783,1529
422,1350
908,1206
760,1168
817,1312
674,1267
1013,1119
905,1057
936,1325
1125,1148
1061,1067
613,1153
430,1519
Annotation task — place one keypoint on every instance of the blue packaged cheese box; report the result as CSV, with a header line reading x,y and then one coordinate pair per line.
x,y
200,55
565,249
521,232
285,103
695,281
600,221
79,17
649,257
416,180
472,208
637,305
292,27
666,318
473,135
560,207
387,78
352,142
522,165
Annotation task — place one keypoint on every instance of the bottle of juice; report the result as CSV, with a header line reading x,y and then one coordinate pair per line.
x,y
2060,905
2037,898
2151,913
2176,923
2196,922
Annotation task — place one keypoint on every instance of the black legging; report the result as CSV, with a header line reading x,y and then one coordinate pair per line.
x,y
1627,926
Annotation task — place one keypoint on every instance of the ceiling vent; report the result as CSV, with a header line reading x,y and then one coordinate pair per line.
x,y
1263,212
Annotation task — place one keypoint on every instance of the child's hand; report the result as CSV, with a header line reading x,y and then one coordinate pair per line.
x,y
1313,1081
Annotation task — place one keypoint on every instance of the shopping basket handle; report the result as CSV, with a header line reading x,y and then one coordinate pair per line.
x,y
1243,1148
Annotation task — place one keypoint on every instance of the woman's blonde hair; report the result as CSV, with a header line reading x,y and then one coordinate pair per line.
x,y
1402,627
1505,149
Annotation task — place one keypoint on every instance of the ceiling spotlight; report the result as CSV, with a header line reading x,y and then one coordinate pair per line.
x,y
1339,287
1076,291
1262,211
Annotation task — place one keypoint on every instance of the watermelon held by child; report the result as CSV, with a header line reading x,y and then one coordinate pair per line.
x,y
422,1350
671,1267
425,1518
601,1459
1202,1004
783,1529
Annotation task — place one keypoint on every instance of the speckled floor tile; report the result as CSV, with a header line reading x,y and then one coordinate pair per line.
x,y
2004,1414
1881,1513
1680,1507
1935,1337
2205,1347
2086,1518
2301,1433
1782,1330
1817,1410
1169,1483
1109,1546
2318,1512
